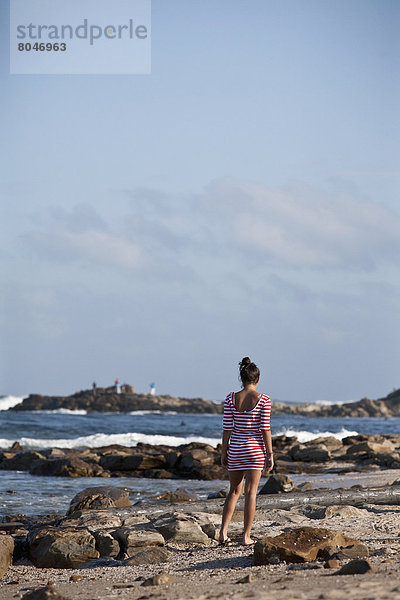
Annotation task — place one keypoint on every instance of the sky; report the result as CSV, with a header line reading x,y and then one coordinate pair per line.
x,y
240,200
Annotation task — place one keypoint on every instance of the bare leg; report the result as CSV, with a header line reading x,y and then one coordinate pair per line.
x,y
250,490
236,481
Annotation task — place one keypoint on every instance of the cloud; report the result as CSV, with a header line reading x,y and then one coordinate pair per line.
x,y
80,235
299,226
227,231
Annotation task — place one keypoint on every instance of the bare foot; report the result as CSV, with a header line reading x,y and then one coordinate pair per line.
x,y
247,541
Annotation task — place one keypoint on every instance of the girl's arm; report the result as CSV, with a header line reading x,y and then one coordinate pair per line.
x,y
225,445
269,463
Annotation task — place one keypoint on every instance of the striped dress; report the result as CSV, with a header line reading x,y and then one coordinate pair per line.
x,y
246,444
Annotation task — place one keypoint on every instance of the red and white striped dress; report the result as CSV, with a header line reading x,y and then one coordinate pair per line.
x,y
246,444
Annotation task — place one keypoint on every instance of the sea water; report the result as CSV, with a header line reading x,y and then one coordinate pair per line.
x,y
21,492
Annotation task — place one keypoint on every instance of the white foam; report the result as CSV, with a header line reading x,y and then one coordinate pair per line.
x,y
331,403
63,411
104,439
307,436
7,402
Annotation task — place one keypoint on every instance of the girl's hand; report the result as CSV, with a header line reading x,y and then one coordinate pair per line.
x,y
224,459
269,463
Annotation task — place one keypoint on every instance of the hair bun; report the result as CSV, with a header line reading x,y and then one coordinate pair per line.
x,y
244,362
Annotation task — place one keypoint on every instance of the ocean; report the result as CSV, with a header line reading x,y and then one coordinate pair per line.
x,y
23,493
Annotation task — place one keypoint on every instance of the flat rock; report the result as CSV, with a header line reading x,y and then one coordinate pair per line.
x,y
148,556
302,544
92,520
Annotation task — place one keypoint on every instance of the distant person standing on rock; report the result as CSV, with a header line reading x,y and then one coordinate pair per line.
x,y
94,387
246,446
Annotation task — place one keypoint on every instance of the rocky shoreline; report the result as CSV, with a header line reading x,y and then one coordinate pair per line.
x,y
202,461
105,547
107,400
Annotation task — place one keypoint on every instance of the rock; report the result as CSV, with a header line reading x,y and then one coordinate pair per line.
x,y
65,467
246,579
306,486
180,495
219,494
181,529
98,563
355,567
6,552
21,461
343,510
282,517
303,544
277,483
93,520
75,578
16,447
136,536
61,548
358,551
331,563
161,579
45,593
104,496
315,453
148,556
106,544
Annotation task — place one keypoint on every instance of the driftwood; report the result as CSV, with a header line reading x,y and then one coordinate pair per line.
x,y
328,497
285,501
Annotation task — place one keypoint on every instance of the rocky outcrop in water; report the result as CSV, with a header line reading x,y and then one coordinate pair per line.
x,y
107,400
383,407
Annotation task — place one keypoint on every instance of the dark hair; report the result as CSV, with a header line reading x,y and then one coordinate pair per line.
x,y
248,371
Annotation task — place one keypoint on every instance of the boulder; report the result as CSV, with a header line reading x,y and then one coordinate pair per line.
x,y
180,529
303,544
6,552
148,556
132,462
93,520
277,483
195,459
65,467
367,449
137,536
105,496
21,461
315,453
61,548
